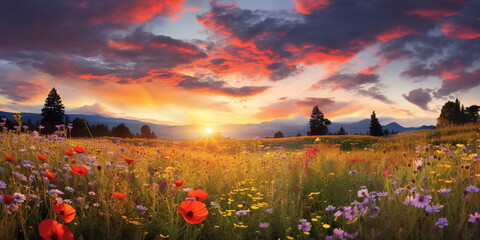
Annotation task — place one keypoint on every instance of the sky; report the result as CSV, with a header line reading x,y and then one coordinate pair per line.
x,y
244,61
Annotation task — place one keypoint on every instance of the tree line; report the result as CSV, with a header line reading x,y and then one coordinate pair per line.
x,y
454,113
55,121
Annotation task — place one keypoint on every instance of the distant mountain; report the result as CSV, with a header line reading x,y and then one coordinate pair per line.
x,y
133,125
289,127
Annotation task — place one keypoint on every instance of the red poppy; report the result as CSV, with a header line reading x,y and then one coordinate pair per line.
x,y
65,212
79,149
178,183
193,211
129,160
50,175
10,158
199,194
53,230
69,152
42,157
384,150
386,173
79,170
7,199
118,195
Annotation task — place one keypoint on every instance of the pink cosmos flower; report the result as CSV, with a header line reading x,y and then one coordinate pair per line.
x,y
421,201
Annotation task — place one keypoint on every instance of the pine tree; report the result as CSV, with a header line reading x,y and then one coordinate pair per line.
x,y
318,123
53,112
341,131
375,127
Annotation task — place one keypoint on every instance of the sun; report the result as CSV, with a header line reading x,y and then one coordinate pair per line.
x,y
208,131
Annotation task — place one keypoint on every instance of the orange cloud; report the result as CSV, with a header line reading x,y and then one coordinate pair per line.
x,y
138,11
397,31
456,31
309,6
435,14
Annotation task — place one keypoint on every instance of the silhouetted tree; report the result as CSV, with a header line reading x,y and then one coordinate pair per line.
x,y
145,132
448,115
298,135
375,127
471,114
341,131
53,112
278,135
318,123
121,130
80,128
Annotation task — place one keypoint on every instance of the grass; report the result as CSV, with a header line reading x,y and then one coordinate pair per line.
x,y
277,181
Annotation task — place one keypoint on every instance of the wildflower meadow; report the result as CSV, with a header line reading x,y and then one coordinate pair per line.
x,y
417,185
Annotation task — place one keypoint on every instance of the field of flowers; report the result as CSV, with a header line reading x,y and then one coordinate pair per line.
x,y
419,185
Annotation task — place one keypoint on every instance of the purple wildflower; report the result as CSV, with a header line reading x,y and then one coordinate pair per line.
x,y
264,225
444,190
472,188
304,225
435,208
142,208
330,208
474,218
442,222
421,201
241,212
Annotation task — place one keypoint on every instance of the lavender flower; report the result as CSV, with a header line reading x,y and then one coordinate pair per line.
x,y
304,225
474,218
435,208
241,212
3,185
330,208
442,222
472,188
444,191
142,208
269,210
19,198
264,225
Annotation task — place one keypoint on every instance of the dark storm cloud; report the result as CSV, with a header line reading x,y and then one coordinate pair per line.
x,y
420,97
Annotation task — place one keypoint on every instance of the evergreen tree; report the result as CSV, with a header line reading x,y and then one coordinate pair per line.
x,y
53,112
318,123
121,130
278,135
375,127
341,131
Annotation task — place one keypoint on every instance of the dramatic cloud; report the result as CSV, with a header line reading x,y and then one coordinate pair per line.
x,y
420,97
366,84
18,85
453,57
